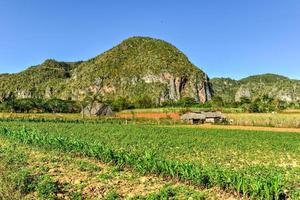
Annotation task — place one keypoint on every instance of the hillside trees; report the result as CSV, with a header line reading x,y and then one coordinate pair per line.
x,y
121,103
264,104
39,105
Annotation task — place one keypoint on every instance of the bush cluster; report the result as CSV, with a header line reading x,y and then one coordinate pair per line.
x,y
39,105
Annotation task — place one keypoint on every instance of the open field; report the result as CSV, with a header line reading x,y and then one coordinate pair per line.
x,y
254,164
286,120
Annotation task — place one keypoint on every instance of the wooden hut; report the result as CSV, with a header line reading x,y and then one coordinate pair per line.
x,y
201,117
193,118
213,117
97,109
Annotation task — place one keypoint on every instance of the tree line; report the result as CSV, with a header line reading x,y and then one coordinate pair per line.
x,y
39,105
259,105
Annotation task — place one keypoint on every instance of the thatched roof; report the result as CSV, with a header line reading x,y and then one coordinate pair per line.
x,y
212,114
190,116
202,115
105,111
98,109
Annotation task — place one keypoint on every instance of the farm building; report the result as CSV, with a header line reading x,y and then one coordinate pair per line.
x,y
201,117
194,118
213,117
97,109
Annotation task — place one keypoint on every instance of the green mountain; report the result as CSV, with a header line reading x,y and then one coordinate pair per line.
x,y
272,85
137,68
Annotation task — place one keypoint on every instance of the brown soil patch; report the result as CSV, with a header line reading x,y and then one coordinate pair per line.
x,y
149,115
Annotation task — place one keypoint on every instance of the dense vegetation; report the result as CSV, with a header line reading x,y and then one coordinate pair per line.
x,y
45,80
271,85
262,165
39,105
33,105
265,104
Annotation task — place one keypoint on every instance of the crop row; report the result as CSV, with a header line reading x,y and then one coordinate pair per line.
x,y
24,176
265,184
92,121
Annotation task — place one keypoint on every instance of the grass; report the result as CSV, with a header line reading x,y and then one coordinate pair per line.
x,y
260,165
286,119
169,192
281,120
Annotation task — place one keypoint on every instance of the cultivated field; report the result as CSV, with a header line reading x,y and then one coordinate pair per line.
x,y
29,172
249,164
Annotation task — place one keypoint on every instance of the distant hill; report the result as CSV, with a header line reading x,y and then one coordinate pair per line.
x,y
139,67
273,85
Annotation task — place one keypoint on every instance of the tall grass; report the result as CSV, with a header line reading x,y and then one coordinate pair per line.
x,y
281,120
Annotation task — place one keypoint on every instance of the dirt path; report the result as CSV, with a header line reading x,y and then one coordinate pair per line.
x,y
250,128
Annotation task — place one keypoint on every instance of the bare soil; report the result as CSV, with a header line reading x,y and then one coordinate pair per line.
x,y
149,115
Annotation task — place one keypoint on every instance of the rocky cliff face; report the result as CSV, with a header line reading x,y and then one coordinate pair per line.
x,y
137,68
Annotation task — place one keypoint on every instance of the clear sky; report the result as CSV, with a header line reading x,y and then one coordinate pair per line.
x,y
230,38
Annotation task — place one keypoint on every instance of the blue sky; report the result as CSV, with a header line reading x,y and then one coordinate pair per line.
x,y
231,38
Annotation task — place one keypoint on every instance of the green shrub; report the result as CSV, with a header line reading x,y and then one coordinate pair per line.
x,y
186,102
112,195
24,181
121,103
47,188
143,101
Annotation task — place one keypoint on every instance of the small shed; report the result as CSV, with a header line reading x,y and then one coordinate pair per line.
x,y
193,118
213,117
98,109
201,117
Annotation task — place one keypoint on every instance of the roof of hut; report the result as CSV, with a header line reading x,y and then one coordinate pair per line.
x,y
213,114
105,110
189,116
98,109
